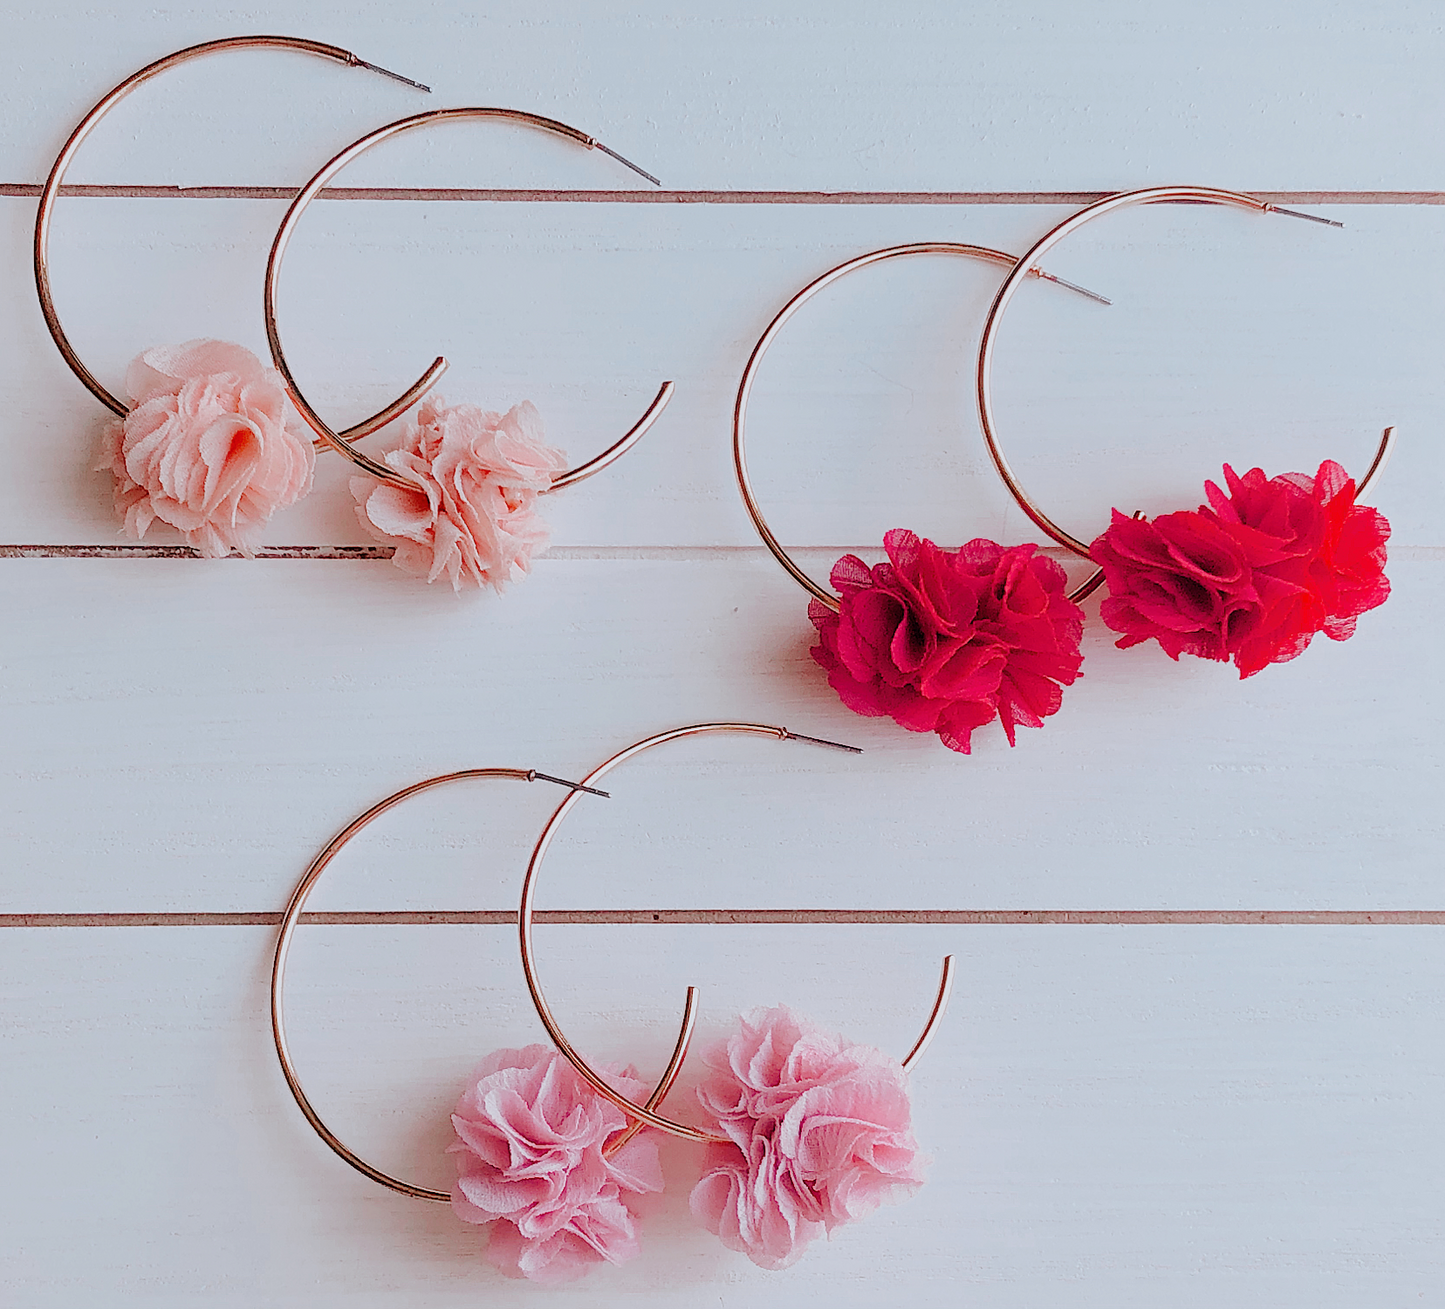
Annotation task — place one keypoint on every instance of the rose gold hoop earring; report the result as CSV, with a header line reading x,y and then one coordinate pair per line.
x,y
458,498
938,640
764,1195
203,444
625,1171
1253,575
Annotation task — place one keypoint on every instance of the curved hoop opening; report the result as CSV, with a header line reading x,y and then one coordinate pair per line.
x,y
989,341
339,441
50,193
646,1115
780,319
292,917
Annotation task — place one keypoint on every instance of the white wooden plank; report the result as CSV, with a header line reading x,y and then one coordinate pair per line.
x,y
1120,1116
1028,96
1116,1116
1233,338
184,735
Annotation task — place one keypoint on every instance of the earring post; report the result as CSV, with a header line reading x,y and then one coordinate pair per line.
x,y
622,159
358,62
575,786
1073,286
1309,218
818,740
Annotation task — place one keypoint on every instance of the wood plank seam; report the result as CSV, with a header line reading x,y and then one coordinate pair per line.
x,y
1398,553
528,195
733,917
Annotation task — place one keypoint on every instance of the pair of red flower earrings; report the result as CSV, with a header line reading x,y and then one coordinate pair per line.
x,y
941,641
946,641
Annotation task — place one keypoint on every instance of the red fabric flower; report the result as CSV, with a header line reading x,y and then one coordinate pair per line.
x,y
1253,575
946,640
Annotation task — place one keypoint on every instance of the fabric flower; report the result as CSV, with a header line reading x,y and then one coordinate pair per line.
x,y
530,1138
473,519
819,1130
1253,575
945,640
205,446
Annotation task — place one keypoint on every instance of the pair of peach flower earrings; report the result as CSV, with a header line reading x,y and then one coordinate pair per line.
x,y
942,641
205,442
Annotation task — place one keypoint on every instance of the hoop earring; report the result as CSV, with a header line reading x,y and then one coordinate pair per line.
x,y
938,640
458,498
1254,575
546,1237
768,1190
219,472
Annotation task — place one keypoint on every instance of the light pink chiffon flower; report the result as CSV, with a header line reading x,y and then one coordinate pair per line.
x,y
205,446
820,1135
473,519
530,1138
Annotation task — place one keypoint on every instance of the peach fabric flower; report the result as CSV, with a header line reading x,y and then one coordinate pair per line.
x,y
530,1138
473,519
820,1136
205,446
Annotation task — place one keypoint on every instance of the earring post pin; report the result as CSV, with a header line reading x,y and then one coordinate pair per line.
x,y
359,62
1074,286
1309,218
575,786
622,159
818,740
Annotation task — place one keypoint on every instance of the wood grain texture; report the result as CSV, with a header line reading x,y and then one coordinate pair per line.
x,y
812,95
1116,1115
1229,340
249,710
1191,1059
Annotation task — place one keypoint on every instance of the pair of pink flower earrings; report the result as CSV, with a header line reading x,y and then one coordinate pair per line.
x,y
804,1131
946,641
207,444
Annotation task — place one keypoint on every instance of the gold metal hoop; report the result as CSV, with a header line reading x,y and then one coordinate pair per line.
x,y
988,344
292,917
51,192
439,365
745,386
645,1115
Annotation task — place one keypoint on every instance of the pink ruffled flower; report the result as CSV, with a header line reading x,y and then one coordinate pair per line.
x,y
820,1134
946,640
476,521
530,1139
1254,575
205,446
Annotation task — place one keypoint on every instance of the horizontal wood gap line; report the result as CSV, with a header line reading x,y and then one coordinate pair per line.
x,y
638,197
369,553
354,552
924,917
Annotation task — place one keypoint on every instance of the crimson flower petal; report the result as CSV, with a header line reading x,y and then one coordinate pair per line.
x,y
931,637
1253,575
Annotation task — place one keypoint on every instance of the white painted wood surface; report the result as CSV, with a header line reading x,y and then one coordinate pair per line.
x,y
1119,1115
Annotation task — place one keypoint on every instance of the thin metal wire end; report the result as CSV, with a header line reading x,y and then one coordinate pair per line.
x,y
641,172
1377,465
818,740
940,1004
535,776
358,62
1311,218
1073,286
